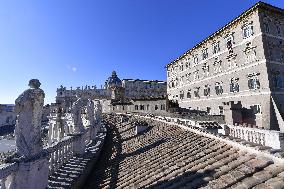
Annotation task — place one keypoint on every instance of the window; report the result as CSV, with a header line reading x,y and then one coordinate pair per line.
x,y
206,90
253,81
216,48
208,109
136,107
147,107
187,77
278,29
256,109
278,80
221,110
218,88
229,41
195,75
195,59
141,107
247,30
205,69
217,65
188,94
156,107
266,27
187,62
181,95
196,92
204,53
163,107
234,86
173,84
181,67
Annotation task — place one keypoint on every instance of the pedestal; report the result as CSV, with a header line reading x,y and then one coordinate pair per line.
x,y
32,174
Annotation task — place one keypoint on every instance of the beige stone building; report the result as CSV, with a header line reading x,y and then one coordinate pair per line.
x,y
137,88
237,71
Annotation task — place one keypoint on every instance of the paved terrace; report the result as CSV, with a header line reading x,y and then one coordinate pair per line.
x,y
171,157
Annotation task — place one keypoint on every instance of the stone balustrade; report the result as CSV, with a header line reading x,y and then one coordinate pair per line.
x,y
71,136
270,138
58,154
267,143
61,152
264,137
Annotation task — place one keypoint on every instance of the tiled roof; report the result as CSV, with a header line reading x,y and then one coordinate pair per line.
x,y
171,157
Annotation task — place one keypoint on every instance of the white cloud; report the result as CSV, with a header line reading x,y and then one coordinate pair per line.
x,y
72,68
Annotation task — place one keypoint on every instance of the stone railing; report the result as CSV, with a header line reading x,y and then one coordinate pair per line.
x,y
266,142
70,135
259,136
58,154
61,152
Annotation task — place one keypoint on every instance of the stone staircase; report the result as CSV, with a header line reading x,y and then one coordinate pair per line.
x,y
171,157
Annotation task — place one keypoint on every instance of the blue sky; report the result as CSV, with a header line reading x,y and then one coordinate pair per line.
x,y
79,42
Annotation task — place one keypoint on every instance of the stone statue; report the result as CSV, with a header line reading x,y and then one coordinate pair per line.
x,y
76,113
28,107
90,112
98,112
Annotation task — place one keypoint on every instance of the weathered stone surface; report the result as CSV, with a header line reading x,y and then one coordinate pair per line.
x,y
28,107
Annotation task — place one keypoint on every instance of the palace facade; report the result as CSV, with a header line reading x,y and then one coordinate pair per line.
x,y
238,71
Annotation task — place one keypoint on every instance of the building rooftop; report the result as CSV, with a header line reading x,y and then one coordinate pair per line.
x,y
171,157
143,80
258,5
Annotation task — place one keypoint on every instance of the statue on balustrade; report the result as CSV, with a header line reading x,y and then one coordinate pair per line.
x,y
90,112
76,113
28,107
98,112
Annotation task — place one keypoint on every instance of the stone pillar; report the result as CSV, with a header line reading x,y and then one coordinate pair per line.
x,y
258,120
232,112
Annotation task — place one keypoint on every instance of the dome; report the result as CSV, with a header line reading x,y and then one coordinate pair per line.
x,y
113,81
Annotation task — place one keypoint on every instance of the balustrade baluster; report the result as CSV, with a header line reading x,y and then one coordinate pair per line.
x,y
3,185
56,159
51,162
60,158
263,139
